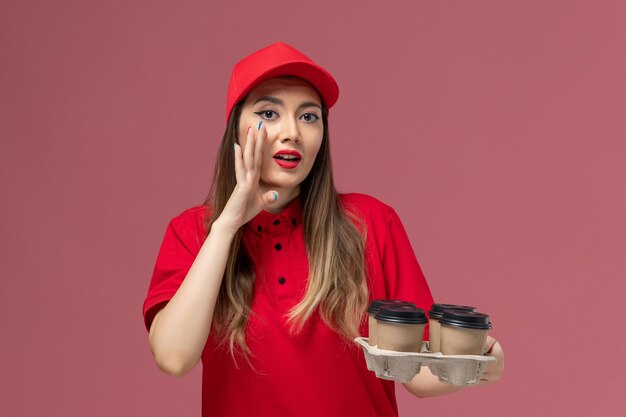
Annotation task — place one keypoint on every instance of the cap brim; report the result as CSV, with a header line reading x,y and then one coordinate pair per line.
x,y
316,75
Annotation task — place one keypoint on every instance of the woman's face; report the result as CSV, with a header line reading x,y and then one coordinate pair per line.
x,y
291,111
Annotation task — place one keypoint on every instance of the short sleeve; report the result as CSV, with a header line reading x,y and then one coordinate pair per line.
x,y
403,274
179,249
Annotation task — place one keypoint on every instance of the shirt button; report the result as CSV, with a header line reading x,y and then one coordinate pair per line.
x,y
277,222
281,280
259,228
278,246
293,221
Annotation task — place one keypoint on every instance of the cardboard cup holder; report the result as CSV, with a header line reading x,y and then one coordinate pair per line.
x,y
403,366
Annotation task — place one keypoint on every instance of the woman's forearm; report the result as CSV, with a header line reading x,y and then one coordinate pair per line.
x,y
180,330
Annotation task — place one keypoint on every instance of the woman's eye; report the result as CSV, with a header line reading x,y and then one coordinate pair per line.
x,y
310,117
265,114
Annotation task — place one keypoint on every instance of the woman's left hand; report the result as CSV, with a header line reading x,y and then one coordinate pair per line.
x,y
494,368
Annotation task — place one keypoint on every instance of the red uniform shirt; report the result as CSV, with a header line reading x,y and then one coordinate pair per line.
x,y
314,373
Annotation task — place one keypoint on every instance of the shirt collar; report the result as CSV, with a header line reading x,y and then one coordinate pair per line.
x,y
266,222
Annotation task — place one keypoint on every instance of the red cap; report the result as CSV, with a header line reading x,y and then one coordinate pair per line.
x,y
273,61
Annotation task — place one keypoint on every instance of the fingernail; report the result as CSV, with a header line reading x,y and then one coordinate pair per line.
x,y
275,196
259,127
234,145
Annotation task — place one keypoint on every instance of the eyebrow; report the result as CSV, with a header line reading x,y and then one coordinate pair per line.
x,y
279,102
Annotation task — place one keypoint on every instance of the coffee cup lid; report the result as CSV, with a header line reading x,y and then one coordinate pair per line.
x,y
436,310
465,319
376,304
407,314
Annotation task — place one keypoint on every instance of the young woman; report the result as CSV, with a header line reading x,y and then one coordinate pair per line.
x,y
268,281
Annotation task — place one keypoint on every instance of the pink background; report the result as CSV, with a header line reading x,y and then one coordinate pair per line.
x,y
496,130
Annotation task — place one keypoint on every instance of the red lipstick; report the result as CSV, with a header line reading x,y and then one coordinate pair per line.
x,y
287,158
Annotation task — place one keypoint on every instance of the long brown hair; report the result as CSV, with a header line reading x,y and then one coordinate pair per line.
x,y
334,239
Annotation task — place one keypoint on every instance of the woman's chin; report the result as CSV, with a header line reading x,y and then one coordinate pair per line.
x,y
277,184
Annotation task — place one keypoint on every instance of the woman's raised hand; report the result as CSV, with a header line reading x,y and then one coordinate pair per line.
x,y
247,199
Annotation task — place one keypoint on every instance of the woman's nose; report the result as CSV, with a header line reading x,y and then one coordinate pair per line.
x,y
289,130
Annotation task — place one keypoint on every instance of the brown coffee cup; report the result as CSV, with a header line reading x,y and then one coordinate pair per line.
x,y
400,328
373,308
463,332
434,315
